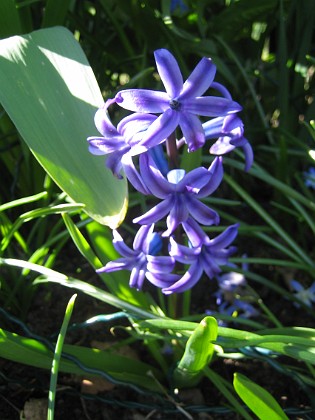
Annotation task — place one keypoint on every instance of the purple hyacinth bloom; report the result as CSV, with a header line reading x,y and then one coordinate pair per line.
x,y
121,143
230,133
141,260
180,193
307,296
181,104
204,256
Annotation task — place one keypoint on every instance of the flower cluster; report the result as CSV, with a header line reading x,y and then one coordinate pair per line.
x,y
233,295
145,147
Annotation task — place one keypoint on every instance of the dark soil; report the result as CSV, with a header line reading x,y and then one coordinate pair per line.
x,y
22,386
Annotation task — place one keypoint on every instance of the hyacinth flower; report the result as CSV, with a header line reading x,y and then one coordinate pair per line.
x,y
142,260
144,134
229,296
229,132
307,296
205,255
239,307
180,193
181,104
121,143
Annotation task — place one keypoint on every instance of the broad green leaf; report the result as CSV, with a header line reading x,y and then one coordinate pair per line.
x,y
50,93
260,401
226,389
80,361
198,353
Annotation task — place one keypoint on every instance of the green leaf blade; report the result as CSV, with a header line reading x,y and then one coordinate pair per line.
x,y
51,95
260,401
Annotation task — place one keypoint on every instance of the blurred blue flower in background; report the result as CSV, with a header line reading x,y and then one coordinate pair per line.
x,y
179,4
307,296
309,177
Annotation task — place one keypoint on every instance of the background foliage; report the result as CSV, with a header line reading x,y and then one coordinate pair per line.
x,y
264,53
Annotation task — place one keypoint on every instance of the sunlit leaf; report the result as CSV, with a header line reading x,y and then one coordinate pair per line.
x,y
50,93
260,401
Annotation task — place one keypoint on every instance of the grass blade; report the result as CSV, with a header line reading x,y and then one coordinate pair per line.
x,y
56,359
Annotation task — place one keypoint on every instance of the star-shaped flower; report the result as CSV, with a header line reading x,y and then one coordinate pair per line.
x,y
181,104
307,296
121,143
180,193
204,256
230,133
141,260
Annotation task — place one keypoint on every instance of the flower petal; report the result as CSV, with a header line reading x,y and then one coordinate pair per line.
x,y
210,106
194,180
162,280
157,154
133,175
222,89
225,238
160,264
222,146
142,239
103,146
296,285
182,253
195,233
137,277
199,80
216,176
192,131
156,213
143,100
210,265
249,156
119,264
187,281
161,128
231,123
103,123
121,247
169,72
113,162
154,180
178,214
202,213
213,128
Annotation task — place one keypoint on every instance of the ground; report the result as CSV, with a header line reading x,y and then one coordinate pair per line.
x,y
24,389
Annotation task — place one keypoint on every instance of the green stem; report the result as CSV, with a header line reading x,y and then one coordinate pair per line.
x,y
57,357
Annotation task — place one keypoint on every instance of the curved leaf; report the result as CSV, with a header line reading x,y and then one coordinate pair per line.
x,y
260,401
50,93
